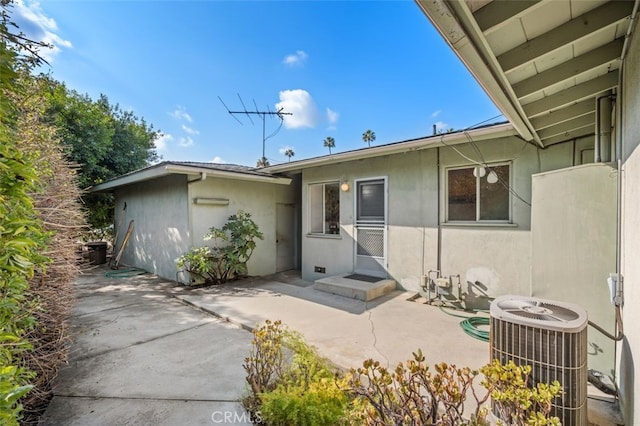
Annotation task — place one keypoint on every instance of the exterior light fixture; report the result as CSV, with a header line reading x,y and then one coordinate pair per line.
x,y
479,171
344,186
493,177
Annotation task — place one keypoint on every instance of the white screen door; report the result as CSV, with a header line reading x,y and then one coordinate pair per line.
x,y
371,227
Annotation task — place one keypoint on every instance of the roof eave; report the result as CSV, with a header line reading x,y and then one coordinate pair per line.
x,y
454,23
168,169
497,131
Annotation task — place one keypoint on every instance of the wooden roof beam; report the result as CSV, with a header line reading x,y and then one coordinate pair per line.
x,y
564,114
588,23
572,68
493,15
572,94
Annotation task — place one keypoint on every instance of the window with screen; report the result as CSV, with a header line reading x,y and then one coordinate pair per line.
x,y
479,194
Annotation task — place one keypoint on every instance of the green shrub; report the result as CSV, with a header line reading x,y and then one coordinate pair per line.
x,y
515,402
233,245
290,384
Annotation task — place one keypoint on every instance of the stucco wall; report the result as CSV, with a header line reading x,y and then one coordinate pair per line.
x,y
257,198
497,256
161,227
574,246
629,374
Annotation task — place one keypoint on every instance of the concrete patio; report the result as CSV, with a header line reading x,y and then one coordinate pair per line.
x,y
149,351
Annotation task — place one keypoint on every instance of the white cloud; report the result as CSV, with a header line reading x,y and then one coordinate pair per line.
x,y
434,114
181,113
332,116
300,104
190,130
294,59
32,21
218,159
284,149
185,142
162,140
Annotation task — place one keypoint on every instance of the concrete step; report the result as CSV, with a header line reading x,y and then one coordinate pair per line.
x,y
355,288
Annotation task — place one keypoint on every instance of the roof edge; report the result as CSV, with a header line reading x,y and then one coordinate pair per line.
x,y
455,138
169,168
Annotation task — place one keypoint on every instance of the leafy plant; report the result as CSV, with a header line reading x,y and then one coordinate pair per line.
x,y
233,245
289,382
413,394
514,401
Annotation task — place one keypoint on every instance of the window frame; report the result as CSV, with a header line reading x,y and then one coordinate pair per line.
x,y
477,219
325,231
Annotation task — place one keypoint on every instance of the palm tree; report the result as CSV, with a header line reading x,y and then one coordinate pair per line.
x,y
329,142
369,136
263,162
289,153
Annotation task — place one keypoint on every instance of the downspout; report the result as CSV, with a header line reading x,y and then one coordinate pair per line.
x,y
438,213
602,150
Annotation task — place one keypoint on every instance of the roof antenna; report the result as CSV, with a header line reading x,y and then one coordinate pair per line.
x,y
263,115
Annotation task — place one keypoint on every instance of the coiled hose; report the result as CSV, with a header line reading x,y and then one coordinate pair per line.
x,y
470,325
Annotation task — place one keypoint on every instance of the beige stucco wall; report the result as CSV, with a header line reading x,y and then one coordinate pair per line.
x,y
499,257
629,348
161,228
574,246
257,198
167,223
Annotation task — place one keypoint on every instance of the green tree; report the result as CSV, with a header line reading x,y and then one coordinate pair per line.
x,y
368,136
329,142
104,140
289,153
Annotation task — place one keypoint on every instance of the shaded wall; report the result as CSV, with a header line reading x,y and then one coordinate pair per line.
x,y
257,198
574,247
629,349
497,256
161,227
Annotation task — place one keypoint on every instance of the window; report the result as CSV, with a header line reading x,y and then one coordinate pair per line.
x,y
324,208
477,194
371,201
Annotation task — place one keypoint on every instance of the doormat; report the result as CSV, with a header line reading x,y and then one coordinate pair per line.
x,y
366,278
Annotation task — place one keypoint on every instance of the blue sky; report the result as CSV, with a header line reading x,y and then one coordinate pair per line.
x,y
340,67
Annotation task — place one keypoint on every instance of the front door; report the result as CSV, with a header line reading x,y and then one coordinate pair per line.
x,y
371,227
285,237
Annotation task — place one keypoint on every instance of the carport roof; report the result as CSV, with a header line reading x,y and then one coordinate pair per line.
x,y
543,62
193,170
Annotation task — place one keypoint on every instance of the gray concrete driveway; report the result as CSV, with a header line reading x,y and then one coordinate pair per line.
x,y
141,356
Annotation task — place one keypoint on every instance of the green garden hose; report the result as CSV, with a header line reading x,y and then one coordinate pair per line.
x,y
470,325
125,273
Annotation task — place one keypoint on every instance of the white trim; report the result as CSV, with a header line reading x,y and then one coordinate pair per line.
x,y
371,225
309,208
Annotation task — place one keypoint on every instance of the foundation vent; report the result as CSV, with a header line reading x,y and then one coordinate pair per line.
x,y
551,337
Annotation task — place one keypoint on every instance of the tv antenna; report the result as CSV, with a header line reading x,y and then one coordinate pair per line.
x,y
263,115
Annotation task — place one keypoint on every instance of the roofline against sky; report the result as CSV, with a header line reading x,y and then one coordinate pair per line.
x,y
455,138
169,168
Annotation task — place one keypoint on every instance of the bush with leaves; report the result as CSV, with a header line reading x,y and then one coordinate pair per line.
x,y
413,394
233,245
21,235
514,400
290,384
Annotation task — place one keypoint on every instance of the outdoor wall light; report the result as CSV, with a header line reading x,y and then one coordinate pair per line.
x,y
479,171
345,186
